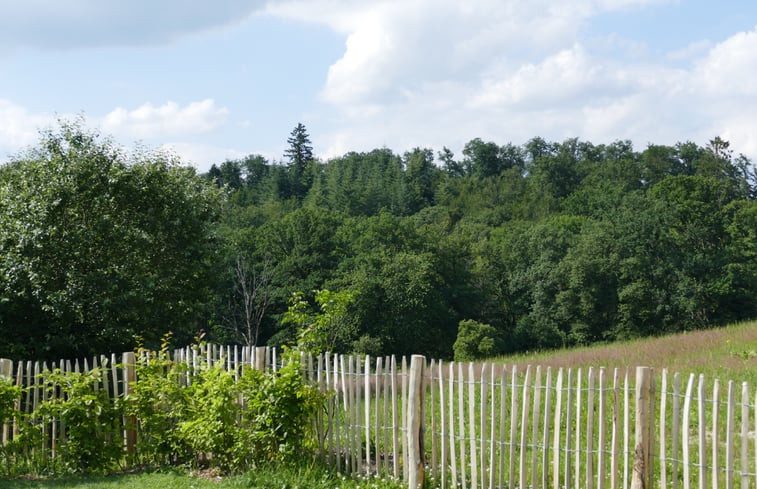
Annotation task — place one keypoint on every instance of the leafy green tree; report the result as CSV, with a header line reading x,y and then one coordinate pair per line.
x,y
97,247
475,341
487,159
329,329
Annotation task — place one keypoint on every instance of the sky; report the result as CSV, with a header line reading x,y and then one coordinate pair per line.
x,y
219,80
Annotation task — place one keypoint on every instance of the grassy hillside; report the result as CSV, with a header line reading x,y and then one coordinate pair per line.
x,y
728,353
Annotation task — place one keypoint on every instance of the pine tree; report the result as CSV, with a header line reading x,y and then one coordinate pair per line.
x,y
300,151
300,155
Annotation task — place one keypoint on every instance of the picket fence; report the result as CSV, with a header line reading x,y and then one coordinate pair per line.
x,y
478,425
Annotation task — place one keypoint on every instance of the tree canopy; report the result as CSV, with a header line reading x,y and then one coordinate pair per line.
x,y
508,248
97,246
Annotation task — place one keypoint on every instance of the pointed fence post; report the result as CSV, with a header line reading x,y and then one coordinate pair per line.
x,y
644,433
6,370
415,407
129,361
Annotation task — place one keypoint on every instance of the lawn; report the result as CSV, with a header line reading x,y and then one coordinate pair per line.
x,y
279,477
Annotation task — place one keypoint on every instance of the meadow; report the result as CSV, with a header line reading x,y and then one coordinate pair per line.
x,y
727,353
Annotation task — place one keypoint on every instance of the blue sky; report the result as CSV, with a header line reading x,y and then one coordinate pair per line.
x,y
229,78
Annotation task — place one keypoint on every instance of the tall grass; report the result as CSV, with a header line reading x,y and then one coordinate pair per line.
x,y
727,353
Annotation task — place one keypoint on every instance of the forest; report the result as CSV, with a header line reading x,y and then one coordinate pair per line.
x,y
503,248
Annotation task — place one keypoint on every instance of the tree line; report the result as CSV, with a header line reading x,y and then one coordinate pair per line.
x,y
503,248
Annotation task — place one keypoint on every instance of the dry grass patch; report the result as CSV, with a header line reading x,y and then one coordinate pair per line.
x,y
728,353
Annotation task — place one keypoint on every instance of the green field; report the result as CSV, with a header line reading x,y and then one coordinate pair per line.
x,y
279,477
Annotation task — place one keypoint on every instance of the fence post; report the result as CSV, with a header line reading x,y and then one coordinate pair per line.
x,y
415,406
6,369
644,434
260,357
129,361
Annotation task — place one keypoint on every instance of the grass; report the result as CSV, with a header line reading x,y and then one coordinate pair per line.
x,y
303,476
727,353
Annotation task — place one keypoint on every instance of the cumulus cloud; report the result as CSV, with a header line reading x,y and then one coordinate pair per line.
x,y
19,128
167,120
730,66
440,72
61,25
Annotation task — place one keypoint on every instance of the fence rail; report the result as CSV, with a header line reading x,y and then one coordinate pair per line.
x,y
474,425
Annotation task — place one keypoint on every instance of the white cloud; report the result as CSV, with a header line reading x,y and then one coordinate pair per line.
x,y
729,67
440,72
167,120
19,128
54,24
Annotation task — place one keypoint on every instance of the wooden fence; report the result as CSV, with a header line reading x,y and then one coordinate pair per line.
x,y
473,425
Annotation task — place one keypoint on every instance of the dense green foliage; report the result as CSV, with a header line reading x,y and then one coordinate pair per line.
x,y
550,244
227,420
200,417
97,246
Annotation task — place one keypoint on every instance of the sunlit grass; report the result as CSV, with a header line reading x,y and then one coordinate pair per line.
x,y
305,475
727,353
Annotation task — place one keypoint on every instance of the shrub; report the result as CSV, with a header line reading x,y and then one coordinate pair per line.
x,y
158,401
277,412
217,419
475,340
93,442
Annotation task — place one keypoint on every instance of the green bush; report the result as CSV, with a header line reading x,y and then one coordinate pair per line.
x,y
9,392
475,340
216,419
93,441
158,401
277,412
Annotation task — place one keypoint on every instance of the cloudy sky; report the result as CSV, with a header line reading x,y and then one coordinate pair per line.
x,y
223,79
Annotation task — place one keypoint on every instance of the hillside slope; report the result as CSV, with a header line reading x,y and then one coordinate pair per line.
x,y
728,353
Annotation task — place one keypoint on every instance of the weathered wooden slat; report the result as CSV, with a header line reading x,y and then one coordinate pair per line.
x,y
546,430
614,457
745,436
472,426
589,470
405,453
729,438
685,433
443,427
415,401
395,426
702,431
452,440
432,386
663,435
557,424
535,411
482,426
502,424
461,420
524,427
492,445
601,440
715,434
567,477
578,483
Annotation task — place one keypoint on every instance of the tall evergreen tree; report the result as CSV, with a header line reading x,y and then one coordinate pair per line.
x,y
300,155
